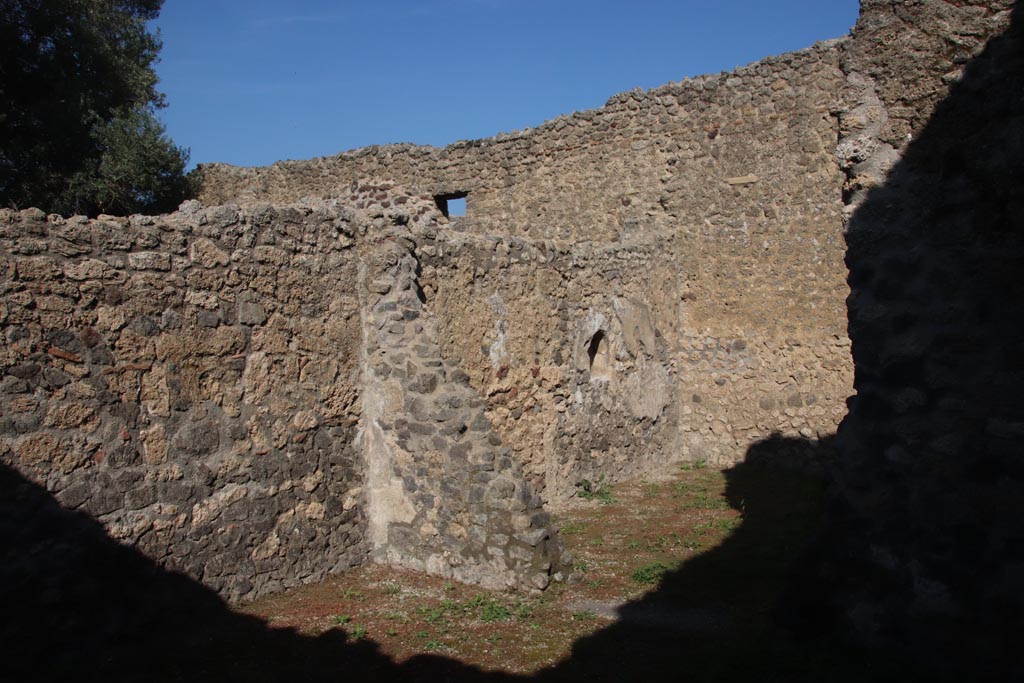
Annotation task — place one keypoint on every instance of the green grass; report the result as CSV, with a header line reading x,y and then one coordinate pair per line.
x,y
706,501
650,573
431,615
681,488
492,610
485,608
724,524
695,465
353,594
599,491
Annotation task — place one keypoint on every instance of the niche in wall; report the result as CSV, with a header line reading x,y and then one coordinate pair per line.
x,y
600,356
452,204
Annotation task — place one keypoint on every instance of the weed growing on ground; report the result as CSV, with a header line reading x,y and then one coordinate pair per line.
x,y
341,619
599,491
492,610
431,615
650,573
706,501
695,465
575,528
726,524
358,632
657,545
681,488
353,594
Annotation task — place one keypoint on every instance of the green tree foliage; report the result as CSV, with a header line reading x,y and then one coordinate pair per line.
x,y
78,93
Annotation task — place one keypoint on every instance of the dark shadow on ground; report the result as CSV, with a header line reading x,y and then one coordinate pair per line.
x,y
715,618
76,605
79,606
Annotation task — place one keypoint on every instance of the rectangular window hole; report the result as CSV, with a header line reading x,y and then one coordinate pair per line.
x,y
452,204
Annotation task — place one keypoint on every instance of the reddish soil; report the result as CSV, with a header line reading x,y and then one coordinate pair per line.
x,y
625,540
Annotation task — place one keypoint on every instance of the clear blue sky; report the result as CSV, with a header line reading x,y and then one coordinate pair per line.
x,y
250,82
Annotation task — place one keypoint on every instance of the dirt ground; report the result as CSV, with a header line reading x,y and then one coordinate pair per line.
x,y
683,555
685,578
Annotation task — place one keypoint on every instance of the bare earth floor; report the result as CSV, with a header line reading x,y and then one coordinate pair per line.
x,y
680,574
689,578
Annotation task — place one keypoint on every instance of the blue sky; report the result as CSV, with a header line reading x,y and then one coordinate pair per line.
x,y
250,82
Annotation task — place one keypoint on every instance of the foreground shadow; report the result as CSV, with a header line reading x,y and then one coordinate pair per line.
x,y
716,617
79,606
923,552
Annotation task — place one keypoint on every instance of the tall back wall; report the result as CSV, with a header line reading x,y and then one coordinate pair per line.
x,y
696,228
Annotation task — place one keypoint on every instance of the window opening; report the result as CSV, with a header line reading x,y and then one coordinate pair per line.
x,y
452,204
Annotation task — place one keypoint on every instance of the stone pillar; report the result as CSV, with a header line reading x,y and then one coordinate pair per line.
x,y
443,494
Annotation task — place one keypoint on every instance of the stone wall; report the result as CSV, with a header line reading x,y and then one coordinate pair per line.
x,y
737,157
564,344
190,381
195,382
709,210
920,555
444,494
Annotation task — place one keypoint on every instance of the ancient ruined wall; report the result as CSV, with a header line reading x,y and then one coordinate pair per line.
x,y
190,381
670,158
444,494
563,343
920,555
714,204
523,315
207,385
